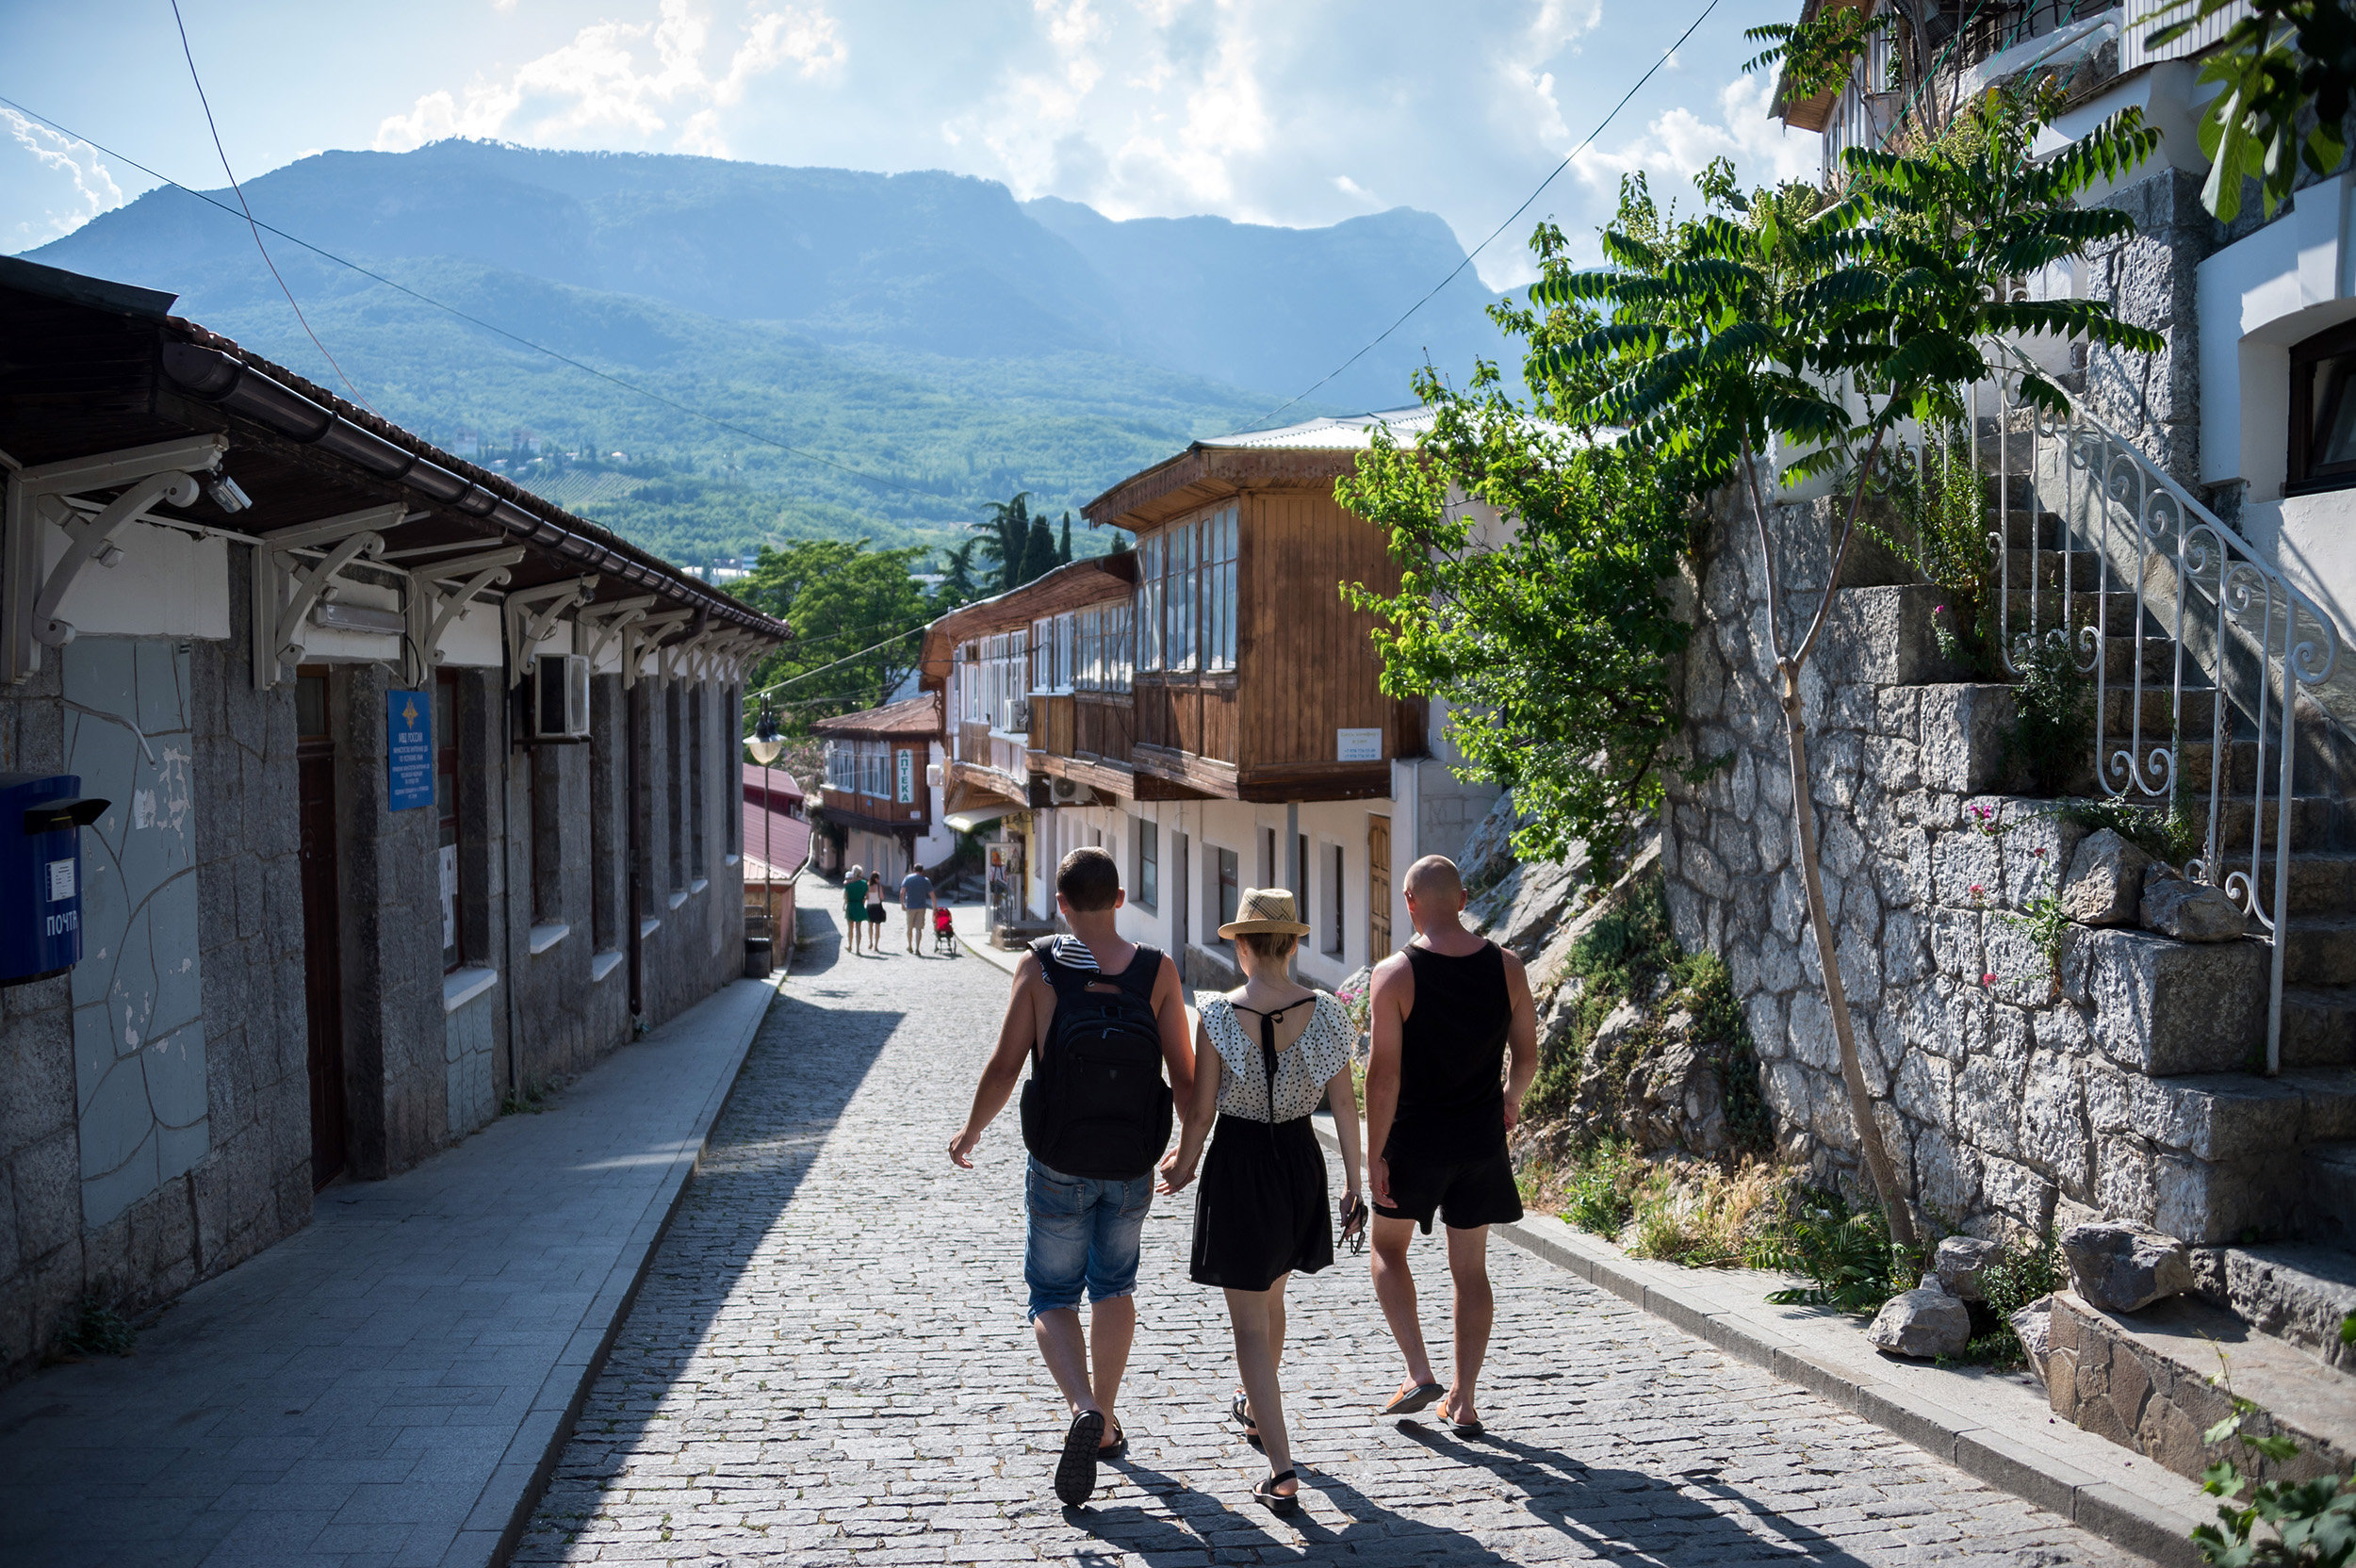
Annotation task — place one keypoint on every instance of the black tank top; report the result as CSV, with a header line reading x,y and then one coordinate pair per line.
x,y
1451,1051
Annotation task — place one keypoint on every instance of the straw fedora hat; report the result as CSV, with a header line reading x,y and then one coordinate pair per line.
x,y
1264,910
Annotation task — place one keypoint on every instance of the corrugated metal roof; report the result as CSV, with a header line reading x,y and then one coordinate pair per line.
x,y
917,715
774,779
1349,432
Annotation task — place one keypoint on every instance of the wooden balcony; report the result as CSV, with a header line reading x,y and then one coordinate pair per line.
x,y
876,813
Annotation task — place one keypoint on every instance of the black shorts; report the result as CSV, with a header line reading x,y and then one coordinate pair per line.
x,y
1468,1193
874,914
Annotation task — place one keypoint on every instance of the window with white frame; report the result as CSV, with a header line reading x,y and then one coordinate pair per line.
x,y
1149,622
1043,656
1119,653
874,768
842,766
1219,589
1178,624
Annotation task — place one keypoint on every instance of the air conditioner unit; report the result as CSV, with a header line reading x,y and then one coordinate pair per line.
x,y
1067,791
560,708
932,775
1014,715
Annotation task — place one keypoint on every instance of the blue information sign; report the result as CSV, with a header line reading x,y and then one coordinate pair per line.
x,y
408,749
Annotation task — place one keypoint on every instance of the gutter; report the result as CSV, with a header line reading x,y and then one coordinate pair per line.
x,y
230,384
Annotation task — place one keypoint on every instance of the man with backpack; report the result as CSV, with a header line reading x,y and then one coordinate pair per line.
x,y
1100,1018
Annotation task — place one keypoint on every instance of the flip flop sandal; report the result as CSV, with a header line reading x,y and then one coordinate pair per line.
x,y
1284,1504
1075,1472
1118,1447
1465,1428
1414,1400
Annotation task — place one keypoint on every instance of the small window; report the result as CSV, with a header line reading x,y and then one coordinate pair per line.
x,y
1148,621
1230,892
446,810
2323,412
1149,871
1335,883
1219,590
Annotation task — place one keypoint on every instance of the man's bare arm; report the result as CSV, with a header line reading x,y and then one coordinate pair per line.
x,y
1390,997
1521,1038
1005,1068
1170,1014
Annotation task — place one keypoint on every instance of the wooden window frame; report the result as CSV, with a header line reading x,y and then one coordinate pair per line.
x,y
1147,857
2305,359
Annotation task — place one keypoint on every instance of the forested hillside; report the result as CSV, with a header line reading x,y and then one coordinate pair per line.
x,y
925,329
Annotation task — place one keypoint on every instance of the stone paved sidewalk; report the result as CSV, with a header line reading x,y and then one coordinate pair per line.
x,y
829,1363
384,1387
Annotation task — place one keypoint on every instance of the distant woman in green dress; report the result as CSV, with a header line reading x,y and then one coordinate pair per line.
x,y
854,903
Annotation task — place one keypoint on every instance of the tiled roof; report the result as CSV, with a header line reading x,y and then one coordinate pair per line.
x,y
916,716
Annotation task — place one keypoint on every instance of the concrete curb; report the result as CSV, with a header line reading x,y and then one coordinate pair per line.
x,y
496,1525
2010,1440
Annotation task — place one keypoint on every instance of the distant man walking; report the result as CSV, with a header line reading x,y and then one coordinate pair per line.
x,y
1447,1010
1095,1125
916,902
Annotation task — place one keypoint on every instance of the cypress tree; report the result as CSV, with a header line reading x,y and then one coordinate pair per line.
x,y
1063,551
1038,552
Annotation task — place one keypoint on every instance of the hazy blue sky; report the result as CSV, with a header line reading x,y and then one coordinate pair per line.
x,y
1289,111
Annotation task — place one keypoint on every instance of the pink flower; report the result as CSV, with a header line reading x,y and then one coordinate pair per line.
x,y
1978,891
2039,853
1989,979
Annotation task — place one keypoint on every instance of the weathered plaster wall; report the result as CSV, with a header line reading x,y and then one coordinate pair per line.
x,y
2006,1099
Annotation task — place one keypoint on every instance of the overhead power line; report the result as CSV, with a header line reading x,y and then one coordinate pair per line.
x,y
189,54
631,387
1454,272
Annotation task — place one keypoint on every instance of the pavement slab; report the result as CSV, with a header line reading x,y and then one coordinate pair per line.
x,y
829,1363
390,1383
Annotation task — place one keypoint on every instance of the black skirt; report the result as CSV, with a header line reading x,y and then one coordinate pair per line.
x,y
1261,1210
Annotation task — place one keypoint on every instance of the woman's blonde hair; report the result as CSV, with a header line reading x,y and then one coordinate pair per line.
x,y
858,873
1269,944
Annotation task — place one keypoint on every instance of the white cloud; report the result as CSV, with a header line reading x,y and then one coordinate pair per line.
x,y
1681,143
600,85
95,188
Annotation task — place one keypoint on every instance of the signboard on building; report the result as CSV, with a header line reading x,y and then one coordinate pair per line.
x,y
408,750
906,796
1357,745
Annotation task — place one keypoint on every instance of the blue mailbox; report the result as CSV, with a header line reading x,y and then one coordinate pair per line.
x,y
41,818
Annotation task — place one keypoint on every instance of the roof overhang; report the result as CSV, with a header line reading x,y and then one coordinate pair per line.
x,y
1811,114
1099,579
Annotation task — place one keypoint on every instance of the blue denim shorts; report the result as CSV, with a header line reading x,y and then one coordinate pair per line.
x,y
1082,1232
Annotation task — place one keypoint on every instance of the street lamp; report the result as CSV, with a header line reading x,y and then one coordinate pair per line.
x,y
765,743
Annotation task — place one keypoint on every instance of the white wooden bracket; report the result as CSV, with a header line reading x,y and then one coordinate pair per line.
x,y
641,636
439,593
606,621
531,612
29,596
286,585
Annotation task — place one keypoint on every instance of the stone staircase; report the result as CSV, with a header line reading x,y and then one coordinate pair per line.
x,y
2284,1146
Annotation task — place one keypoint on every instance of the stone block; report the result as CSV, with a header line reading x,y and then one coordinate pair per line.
x,y
2224,1116
1963,737
1921,1324
2034,1326
2190,912
2124,1267
1967,869
1957,1262
2105,882
2160,1006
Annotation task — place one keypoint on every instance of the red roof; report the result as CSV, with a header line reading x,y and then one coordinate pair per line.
x,y
774,840
775,780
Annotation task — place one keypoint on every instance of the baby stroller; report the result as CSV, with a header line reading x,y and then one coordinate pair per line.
x,y
945,934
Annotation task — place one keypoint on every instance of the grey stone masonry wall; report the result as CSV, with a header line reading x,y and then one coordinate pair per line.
x,y
2010,1095
245,1182
2149,279
394,1039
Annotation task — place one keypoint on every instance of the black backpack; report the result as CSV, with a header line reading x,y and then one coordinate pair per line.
x,y
1096,1104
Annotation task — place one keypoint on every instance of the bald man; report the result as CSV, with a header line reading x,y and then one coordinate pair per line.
x,y
1440,1098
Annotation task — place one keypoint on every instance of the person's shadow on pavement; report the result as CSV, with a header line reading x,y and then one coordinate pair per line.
x,y
1597,1507
1249,1528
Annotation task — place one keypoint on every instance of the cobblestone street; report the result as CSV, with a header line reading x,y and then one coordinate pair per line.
x,y
828,1363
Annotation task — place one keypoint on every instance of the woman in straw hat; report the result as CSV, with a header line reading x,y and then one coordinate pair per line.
x,y
1261,1213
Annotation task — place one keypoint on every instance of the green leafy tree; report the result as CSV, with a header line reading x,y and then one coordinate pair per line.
x,y
957,586
2285,64
854,611
1751,334
1550,640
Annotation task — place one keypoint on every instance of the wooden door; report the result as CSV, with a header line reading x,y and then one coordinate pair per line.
x,y
1378,888
322,957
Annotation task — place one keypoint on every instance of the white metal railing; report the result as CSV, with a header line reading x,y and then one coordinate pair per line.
x,y
2133,544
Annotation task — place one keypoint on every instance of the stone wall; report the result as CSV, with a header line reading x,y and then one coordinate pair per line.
x,y
129,1175
2011,1095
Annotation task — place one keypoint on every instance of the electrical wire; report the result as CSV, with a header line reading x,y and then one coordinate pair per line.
x,y
189,56
1262,422
781,685
631,387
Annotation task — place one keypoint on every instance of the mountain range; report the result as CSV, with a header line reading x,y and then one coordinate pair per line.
x,y
924,342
